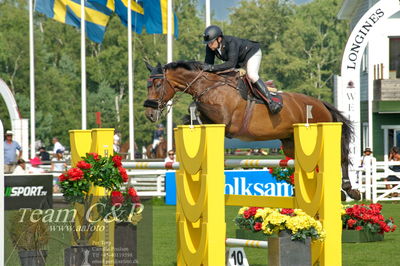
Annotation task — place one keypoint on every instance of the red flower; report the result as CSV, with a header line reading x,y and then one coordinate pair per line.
x,y
117,198
351,222
257,226
287,211
271,170
94,155
123,173
359,228
246,214
292,179
117,160
62,178
132,192
75,174
83,165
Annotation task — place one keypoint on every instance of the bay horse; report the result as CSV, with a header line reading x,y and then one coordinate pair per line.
x,y
219,102
160,151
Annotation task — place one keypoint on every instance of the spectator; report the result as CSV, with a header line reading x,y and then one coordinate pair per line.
x,y
116,144
43,154
367,154
35,169
57,146
170,157
58,164
10,150
157,136
21,167
393,156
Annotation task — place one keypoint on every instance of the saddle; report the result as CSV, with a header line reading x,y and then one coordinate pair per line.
x,y
249,92
246,89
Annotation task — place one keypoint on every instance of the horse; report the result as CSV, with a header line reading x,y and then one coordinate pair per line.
x,y
219,102
160,151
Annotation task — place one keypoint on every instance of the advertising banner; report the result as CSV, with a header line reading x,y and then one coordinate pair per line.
x,y
242,182
28,191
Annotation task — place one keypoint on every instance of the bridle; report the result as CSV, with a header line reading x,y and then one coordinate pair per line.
x,y
159,104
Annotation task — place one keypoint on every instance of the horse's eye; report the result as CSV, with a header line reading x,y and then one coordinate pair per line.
x,y
159,85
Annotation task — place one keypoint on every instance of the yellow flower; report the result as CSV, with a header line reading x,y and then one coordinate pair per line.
x,y
241,211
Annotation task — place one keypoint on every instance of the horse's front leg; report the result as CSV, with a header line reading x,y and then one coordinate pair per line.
x,y
288,146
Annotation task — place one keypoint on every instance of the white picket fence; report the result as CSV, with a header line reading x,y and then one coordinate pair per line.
x,y
371,180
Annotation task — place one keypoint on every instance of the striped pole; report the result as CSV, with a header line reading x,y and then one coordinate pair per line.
x,y
234,242
228,163
151,165
259,163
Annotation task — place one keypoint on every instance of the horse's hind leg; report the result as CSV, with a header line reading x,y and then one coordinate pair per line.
x,y
288,146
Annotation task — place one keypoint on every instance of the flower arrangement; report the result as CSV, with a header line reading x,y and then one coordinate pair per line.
x,y
122,206
271,221
362,217
283,174
92,170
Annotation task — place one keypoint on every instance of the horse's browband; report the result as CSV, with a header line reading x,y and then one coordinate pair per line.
x,y
157,76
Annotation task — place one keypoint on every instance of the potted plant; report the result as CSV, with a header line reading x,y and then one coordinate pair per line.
x,y
30,238
77,185
289,232
365,223
125,209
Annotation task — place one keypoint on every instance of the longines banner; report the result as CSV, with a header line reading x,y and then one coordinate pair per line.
x,y
349,89
244,182
28,191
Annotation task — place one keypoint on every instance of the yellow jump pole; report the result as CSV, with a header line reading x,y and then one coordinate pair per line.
x,y
100,141
317,184
200,208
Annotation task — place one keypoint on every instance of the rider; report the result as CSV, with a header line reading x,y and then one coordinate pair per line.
x,y
157,136
237,53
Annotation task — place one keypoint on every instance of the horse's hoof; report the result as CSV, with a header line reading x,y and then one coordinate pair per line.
x,y
354,194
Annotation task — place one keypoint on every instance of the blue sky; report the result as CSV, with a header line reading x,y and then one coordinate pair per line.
x,y
220,8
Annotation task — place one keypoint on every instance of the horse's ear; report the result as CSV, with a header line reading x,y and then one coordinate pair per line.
x,y
159,65
149,67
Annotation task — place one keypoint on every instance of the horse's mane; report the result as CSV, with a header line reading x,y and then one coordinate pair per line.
x,y
188,65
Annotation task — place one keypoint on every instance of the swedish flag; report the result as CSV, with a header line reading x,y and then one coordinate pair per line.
x,y
69,12
155,14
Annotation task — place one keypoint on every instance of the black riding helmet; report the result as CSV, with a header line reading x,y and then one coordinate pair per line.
x,y
211,33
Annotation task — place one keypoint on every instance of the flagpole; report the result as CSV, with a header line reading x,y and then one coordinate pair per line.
x,y
130,86
32,80
83,64
169,59
208,13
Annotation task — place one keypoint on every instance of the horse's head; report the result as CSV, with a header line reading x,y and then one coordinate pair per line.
x,y
158,94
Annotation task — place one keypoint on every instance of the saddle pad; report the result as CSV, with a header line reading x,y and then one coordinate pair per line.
x,y
247,94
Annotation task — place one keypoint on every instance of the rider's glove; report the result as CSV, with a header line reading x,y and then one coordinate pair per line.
x,y
208,67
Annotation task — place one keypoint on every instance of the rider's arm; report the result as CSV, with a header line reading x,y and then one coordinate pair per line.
x,y
233,55
210,56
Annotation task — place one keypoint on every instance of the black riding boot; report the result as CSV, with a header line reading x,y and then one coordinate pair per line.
x,y
273,106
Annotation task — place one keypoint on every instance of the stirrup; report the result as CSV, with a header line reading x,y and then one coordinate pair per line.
x,y
274,107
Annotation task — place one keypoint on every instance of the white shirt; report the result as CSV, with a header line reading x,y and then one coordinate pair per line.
x,y
168,160
58,146
19,171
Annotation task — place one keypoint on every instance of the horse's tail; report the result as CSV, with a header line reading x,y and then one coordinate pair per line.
x,y
347,132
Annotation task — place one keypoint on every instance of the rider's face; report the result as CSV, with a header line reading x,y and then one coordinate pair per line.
x,y
214,44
